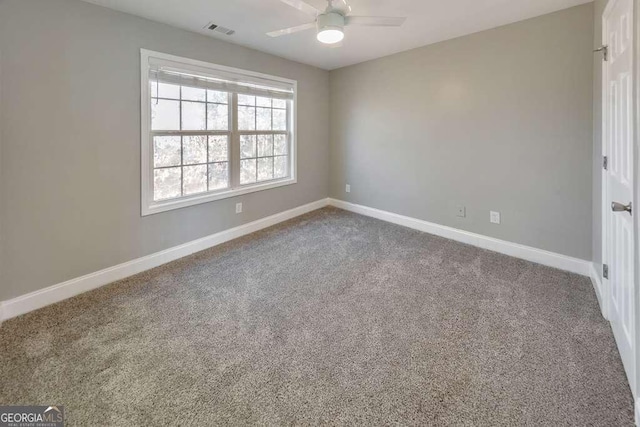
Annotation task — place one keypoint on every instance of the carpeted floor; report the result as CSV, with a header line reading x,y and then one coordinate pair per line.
x,y
329,318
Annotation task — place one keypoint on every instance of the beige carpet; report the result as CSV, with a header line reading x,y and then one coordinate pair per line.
x,y
329,318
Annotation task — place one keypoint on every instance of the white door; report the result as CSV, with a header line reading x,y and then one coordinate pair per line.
x,y
618,144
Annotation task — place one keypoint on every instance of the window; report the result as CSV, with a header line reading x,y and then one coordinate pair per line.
x,y
211,132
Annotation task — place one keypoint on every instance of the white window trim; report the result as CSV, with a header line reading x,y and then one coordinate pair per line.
x,y
148,205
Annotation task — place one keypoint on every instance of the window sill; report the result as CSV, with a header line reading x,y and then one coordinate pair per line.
x,y
167,205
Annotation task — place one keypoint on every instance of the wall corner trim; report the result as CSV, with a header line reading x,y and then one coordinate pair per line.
x,y
61,291
540,256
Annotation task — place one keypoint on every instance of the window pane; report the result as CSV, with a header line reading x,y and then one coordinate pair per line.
x,y
246,100
165,115
265,145
279,119
218,176
166,183
218,148
193,116
195,179
264,118
265,169
247,146
194,149
215,96
217,117
247,171
279,144
166,90
280,167
279,103
263,102
166,151
246,118
194,94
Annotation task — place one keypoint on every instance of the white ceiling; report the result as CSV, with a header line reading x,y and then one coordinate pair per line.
x,y
428,21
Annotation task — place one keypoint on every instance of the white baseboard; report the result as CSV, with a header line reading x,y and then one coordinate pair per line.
x,y
52,294
61,291
528,253
598,286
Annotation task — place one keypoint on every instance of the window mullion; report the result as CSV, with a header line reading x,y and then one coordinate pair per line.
x,y
181,146
206,138
235,142
273,142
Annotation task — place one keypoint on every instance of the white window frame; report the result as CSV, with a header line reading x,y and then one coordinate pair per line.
x,y
149,206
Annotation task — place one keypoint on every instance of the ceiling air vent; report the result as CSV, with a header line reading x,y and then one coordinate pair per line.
x,y
218,29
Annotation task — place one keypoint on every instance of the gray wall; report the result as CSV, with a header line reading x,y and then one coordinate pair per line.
x,y
70,132
498,120
598,7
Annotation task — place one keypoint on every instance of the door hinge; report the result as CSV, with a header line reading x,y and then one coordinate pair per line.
x,y
605,52
605,271
605,162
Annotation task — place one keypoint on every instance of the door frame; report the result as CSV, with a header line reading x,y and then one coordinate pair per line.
x,y
604,151
606,209
636,199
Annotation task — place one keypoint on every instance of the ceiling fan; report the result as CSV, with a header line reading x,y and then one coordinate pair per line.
x,y
330,23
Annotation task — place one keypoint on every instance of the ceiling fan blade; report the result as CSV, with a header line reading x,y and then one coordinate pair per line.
x,y
292,30
374,21
303,7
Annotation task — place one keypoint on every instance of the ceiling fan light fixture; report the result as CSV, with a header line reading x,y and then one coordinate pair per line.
x,y
330,27
330,24
330,35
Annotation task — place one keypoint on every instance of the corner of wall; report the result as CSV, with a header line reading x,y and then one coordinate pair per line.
x,y
2,282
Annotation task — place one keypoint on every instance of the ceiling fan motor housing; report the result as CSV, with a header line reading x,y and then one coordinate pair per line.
x,y
331,20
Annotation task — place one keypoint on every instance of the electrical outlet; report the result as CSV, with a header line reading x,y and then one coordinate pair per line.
x,y
238,208
494,217
347,188
461,212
